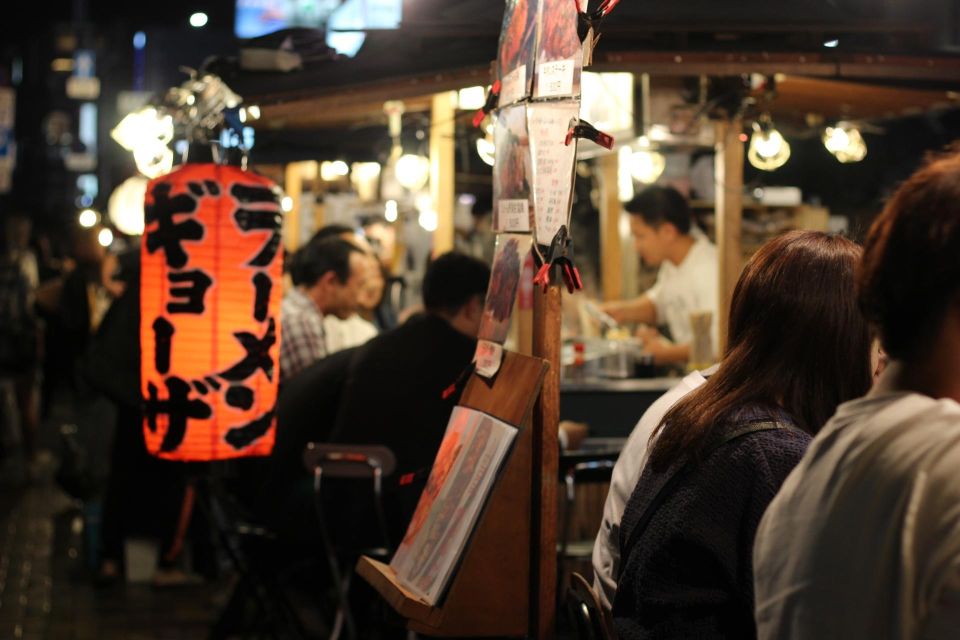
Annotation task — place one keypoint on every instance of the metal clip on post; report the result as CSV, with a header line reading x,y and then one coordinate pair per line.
x,y
560,254
493,99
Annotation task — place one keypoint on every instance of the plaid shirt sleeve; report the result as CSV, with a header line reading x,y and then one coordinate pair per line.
x,y
302,342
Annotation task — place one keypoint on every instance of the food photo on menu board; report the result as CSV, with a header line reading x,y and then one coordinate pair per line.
x,y
512,250
559,52
512,171
517,51
470,456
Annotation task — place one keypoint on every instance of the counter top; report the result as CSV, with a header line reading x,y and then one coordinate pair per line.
x,y
614,385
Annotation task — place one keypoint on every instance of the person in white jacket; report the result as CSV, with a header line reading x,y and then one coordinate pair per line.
x,y
863,539
630,463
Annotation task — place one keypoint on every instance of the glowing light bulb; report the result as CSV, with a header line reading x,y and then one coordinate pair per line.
x,y
412,171
331,171
768,148
645,164
126,205
486,150
105,237
88,218
845,142
471,98
390,211
198,20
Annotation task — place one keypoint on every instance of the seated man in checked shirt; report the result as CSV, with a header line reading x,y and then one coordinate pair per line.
x,y
330,273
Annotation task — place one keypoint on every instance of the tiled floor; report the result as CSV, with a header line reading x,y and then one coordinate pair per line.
x,y
46,592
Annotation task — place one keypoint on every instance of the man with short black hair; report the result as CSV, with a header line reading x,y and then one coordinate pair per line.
x,y
664,235
394,393
330,273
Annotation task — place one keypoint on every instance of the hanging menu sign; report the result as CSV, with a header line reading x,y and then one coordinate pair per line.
x,y
512,250
559,52
517,50
553,165
512,171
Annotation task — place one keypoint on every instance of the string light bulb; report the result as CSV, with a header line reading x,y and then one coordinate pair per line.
x,y
845,142
646,164
487,150
147,133
768,149
88,218
412,171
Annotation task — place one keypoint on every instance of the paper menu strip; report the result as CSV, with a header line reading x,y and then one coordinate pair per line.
x,y
513,87
488,358
513,215
511,252
553,165
512,171
555,78
559,52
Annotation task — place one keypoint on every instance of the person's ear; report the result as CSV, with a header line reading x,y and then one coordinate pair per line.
x,y
475,307
668,231
328,279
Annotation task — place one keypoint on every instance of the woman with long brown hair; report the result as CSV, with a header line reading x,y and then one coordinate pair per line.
x,y
797,347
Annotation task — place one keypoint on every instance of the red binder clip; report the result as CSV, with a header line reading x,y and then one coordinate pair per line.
x,y
583,129
493,98
592,14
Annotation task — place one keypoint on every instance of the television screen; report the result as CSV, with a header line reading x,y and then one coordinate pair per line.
x,y
344,20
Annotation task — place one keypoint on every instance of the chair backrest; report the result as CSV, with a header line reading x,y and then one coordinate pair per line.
x,y
349,460
600,470
586,611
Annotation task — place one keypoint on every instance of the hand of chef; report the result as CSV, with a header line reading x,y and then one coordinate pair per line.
x,y
655,344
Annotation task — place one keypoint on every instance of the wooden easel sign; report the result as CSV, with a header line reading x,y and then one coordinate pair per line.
x,y
472,578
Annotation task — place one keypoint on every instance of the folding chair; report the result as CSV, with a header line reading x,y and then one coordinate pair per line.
x,y
251,548
586,612
356,463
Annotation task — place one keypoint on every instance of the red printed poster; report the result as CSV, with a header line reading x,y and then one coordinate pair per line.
x,y
517,51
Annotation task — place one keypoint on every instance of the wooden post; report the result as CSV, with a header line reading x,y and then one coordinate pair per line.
x,y
611,251
546,460
729,203
442,168
292,187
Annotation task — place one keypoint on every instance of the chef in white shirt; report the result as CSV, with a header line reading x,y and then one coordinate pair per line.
x,y
665,236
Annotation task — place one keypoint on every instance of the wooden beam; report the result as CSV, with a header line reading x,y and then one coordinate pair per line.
x,y
729,214
293,188
834,65
321,105
547,312
611,251
442,168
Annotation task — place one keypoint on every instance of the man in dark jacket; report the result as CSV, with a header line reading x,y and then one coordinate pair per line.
x,y
394,392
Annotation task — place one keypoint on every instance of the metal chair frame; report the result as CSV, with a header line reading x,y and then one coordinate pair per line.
x,y
348,462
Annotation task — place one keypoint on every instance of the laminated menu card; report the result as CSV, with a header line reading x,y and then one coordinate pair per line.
x,y
470,456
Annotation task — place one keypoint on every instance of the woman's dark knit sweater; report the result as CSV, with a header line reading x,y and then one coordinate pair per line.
x,y
689,573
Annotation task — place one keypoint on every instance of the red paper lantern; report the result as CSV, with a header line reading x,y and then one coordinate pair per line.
x,y
211,266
